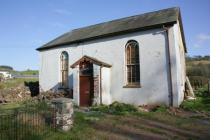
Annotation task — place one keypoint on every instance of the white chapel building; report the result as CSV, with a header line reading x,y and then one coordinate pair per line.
x,y
137,60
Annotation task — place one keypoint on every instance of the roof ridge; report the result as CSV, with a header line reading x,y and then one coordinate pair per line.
x,y
146,13
126,24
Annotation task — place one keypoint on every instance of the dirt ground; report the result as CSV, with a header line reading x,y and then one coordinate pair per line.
x,y
132,127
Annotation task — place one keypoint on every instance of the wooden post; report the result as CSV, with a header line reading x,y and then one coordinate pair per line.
x,y
191,93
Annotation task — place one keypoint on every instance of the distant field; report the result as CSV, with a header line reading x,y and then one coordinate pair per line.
x,y
198,70
197,62
15,82
27,72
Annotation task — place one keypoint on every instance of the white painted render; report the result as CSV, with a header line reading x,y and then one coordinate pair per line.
x,y
75,86
105,83
180,55
154,67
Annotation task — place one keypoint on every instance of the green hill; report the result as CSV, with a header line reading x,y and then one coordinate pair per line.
x,y
6,68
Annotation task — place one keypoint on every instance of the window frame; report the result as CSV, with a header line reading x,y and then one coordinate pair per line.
x,y
64,70
132,65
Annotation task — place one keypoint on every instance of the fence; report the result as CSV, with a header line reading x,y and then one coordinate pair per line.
x,y
26,125
198,81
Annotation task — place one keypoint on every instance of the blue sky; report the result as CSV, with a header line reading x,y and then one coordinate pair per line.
x,y
28,24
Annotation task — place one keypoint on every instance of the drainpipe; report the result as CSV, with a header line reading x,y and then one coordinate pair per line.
x,y
100,86
166,29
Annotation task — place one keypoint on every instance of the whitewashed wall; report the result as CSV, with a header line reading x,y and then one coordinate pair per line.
x,y
154,72
181,68
105,83
75,83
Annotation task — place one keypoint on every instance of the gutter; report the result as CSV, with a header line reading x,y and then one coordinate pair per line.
x,y
166,29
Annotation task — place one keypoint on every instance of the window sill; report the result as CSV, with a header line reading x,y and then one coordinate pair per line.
x,y
132,86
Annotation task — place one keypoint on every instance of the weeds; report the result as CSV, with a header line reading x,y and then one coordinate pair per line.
x,y
161,108
115,108
201,103
35,105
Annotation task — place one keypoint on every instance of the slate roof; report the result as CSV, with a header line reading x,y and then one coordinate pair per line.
x,y
120,26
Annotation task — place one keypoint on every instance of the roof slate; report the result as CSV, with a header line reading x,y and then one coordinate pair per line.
x,y
115,27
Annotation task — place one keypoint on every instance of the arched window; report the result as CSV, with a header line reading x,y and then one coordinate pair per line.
x,y
64,69
132,63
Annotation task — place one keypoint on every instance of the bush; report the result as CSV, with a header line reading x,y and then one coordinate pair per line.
x,y
202,92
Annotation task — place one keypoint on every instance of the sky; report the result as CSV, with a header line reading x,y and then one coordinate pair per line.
x,y
28,24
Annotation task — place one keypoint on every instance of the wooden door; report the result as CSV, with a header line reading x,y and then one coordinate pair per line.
x,y
85,90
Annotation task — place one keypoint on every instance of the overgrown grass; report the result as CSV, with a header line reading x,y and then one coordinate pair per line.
x,y
83,127
27,106
201,103
81,130
113,115
115,108
24,120
15,82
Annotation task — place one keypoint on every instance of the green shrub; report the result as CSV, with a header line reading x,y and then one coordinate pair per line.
x,y
161,108
202,92
115,108
199,104
101,108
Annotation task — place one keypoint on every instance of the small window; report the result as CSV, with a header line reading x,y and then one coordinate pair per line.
x,y
64,69
132,63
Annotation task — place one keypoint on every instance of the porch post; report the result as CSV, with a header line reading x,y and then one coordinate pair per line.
x,y
76,95
96,82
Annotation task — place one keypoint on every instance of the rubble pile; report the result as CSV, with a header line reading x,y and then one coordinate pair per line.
x,y
52,94
23,93
15,94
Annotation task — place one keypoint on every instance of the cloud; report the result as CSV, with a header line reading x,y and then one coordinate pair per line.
x,y
57,25
62,12
201,39
196,45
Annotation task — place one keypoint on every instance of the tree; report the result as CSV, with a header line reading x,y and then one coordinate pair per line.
x,y
8,68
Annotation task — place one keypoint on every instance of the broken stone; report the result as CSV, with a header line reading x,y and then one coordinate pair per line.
x,y
190,98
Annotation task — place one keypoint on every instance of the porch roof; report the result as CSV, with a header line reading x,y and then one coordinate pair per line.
x,y
91,60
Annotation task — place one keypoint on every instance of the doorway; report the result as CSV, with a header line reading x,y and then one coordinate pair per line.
x,y
86,83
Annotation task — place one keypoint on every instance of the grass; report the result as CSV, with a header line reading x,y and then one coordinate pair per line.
x,y
10,106
115,108
15,82
26,72
118,121
121,121
201,103
29,72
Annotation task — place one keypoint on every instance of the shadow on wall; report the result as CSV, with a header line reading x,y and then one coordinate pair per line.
x,y
33,87
54,91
